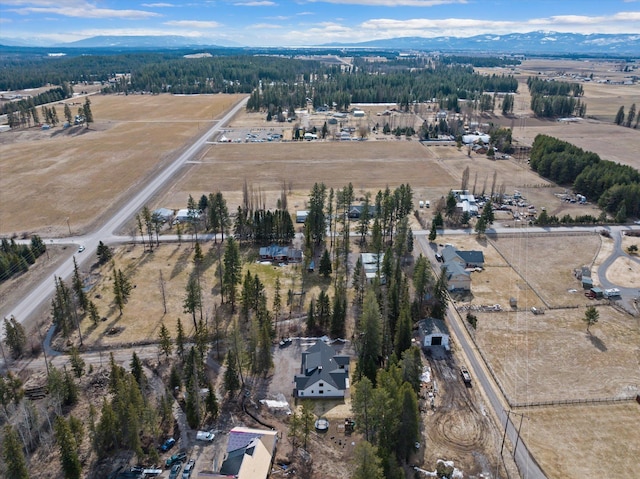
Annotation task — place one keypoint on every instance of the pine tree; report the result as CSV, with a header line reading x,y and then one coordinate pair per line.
x,y
591,317
231,381
77,363
211,403
78,286
15,337
14,460
367,462
619,120
180,339
193,300
165,341
68,449
370,338
325,264
232,271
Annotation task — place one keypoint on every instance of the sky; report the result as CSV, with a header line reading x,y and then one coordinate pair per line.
x,y
307,22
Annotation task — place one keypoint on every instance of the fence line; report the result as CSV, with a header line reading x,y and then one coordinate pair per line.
x,y
565,402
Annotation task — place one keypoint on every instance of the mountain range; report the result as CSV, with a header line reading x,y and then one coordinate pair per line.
x,y
538,42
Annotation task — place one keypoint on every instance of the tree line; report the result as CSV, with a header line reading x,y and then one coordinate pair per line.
x,y
627,120
551,99
28,104
615,187
16,258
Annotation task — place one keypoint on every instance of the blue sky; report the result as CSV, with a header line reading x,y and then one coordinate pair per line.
x,y
307,22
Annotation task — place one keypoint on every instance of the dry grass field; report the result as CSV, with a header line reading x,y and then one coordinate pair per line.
x,y
144,313
551,357
597,132
81,174
267,166
585,441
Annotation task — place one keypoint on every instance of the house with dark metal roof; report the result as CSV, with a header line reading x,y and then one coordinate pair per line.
x,y
275,252
467,259
323,373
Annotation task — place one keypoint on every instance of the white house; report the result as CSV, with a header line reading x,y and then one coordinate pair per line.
x,y
323,373
433,332
182,216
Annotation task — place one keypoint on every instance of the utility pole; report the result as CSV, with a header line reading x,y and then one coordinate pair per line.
x,y
522,416
504,436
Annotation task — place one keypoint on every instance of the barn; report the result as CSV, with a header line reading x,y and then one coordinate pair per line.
x,y
433,332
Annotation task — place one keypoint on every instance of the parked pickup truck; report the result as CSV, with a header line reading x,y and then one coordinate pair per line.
x,y
466,377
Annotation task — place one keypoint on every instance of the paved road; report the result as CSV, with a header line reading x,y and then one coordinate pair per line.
x,y
32,301
527,465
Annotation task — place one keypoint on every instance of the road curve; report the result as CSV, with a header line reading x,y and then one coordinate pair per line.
x,y
32,301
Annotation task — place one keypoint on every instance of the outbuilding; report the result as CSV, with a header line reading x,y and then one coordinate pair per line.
x,y
433,332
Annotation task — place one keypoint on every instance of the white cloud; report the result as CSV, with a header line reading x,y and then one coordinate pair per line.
x,y
395,3
75,9
193,24
158,5
265,26
262,3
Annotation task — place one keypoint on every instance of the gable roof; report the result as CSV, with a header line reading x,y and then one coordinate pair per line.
x,y
430,326
455,269
451,254
321,363
249,453
471,256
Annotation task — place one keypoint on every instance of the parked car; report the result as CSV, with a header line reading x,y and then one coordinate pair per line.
x,y
81,249
188,469
168,444
175,470
179,457
204,436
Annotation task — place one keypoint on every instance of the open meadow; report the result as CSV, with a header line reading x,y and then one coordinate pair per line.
x,y
81,174
603,96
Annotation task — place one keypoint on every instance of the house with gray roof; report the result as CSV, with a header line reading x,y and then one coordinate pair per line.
x,y
458,278
323,373
467,259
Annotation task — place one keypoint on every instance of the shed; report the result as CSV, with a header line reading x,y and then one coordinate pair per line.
x,y
513,302
433,332
587,283
598,293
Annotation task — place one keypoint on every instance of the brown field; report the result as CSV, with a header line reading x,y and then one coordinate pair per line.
x,y
267,166
597,132
550,357
81,174
585,441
